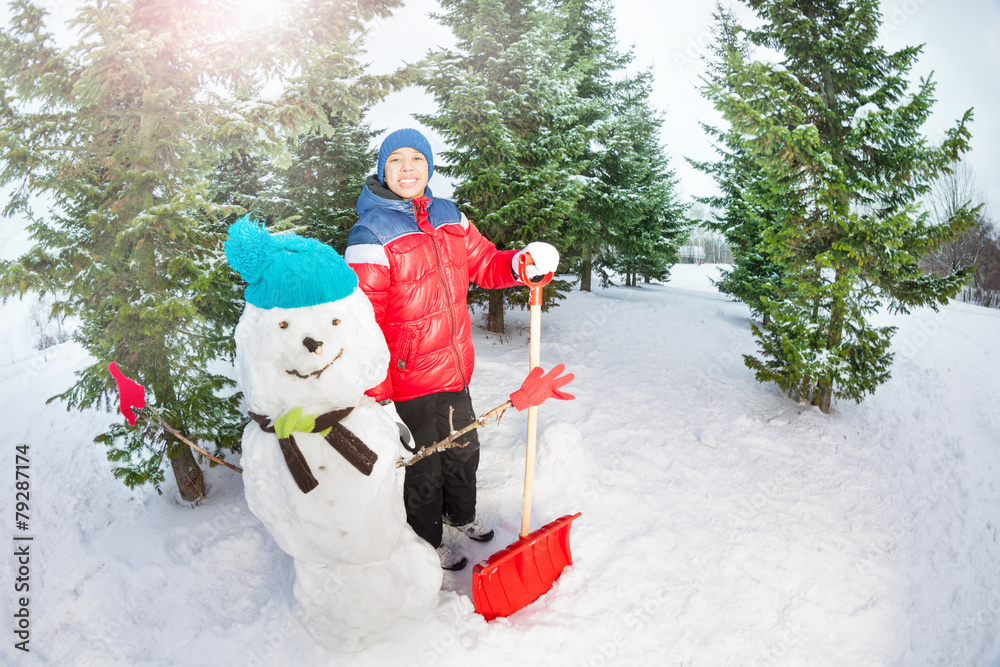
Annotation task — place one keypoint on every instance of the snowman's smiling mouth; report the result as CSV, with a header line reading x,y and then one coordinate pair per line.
x,y
315,374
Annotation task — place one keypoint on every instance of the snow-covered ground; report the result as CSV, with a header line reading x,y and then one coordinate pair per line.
x,y
722,523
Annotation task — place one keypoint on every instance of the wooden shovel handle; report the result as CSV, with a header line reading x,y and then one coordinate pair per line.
x,y
534,359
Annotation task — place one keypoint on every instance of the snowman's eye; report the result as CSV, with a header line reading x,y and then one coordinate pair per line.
x,y
283,325
336,321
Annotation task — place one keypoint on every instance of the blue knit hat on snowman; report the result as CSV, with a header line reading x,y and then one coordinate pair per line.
x,y
286,270
405,138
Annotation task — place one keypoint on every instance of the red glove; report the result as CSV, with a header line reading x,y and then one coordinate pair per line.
x,y
536,389
130,394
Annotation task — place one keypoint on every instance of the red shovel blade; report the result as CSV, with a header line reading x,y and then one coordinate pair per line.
x,y
517,576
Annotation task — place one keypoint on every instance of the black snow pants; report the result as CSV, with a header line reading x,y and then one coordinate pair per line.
x,y
442,485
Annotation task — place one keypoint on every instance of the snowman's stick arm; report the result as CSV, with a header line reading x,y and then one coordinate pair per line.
x,y
131,394
167,427
449,442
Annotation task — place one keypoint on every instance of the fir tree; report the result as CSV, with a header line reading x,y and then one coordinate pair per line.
x,y
755,274
633,194
835,138
508,108
594,53
320,191
627,220
123,133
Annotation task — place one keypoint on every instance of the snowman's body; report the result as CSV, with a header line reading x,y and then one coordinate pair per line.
x,y
345,500
359,568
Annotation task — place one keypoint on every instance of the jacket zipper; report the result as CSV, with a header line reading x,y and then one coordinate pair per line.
x,y
447,297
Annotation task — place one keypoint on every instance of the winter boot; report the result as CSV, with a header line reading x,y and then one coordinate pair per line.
x,y
451,559
475,530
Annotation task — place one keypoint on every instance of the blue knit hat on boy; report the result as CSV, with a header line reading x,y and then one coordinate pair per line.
x,y
286,270
405,138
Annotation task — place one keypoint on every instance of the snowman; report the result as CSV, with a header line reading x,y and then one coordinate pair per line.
x,y
319,456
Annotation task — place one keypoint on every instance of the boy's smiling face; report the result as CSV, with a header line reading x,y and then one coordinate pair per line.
x,y
406,172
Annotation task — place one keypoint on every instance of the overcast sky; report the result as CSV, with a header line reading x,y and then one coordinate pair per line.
x,y
962,47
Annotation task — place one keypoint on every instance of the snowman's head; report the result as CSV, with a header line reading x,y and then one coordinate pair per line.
x,y
307,337
319,358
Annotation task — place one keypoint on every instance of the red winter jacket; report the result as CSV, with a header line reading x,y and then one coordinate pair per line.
x,y
415,260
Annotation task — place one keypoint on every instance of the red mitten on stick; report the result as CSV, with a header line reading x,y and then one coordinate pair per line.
x,y
536,389
131,394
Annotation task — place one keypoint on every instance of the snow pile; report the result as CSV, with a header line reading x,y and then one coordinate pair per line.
x,y
722,524
864,114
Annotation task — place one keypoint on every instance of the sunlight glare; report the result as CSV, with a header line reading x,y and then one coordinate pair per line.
x,y
253,14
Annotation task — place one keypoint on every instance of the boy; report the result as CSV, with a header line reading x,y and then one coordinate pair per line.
x,y
415,256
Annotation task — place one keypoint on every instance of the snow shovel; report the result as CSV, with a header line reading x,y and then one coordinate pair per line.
x,y
511,579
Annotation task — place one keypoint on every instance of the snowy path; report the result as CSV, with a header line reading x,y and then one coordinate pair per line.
x,y
722,523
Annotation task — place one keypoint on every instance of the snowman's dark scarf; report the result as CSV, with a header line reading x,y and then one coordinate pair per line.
x,y
346,443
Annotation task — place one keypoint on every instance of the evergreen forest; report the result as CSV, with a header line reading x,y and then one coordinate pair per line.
x,y
132,137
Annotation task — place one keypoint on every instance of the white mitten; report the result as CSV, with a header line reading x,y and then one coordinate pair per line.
x,y
405,437
544,257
